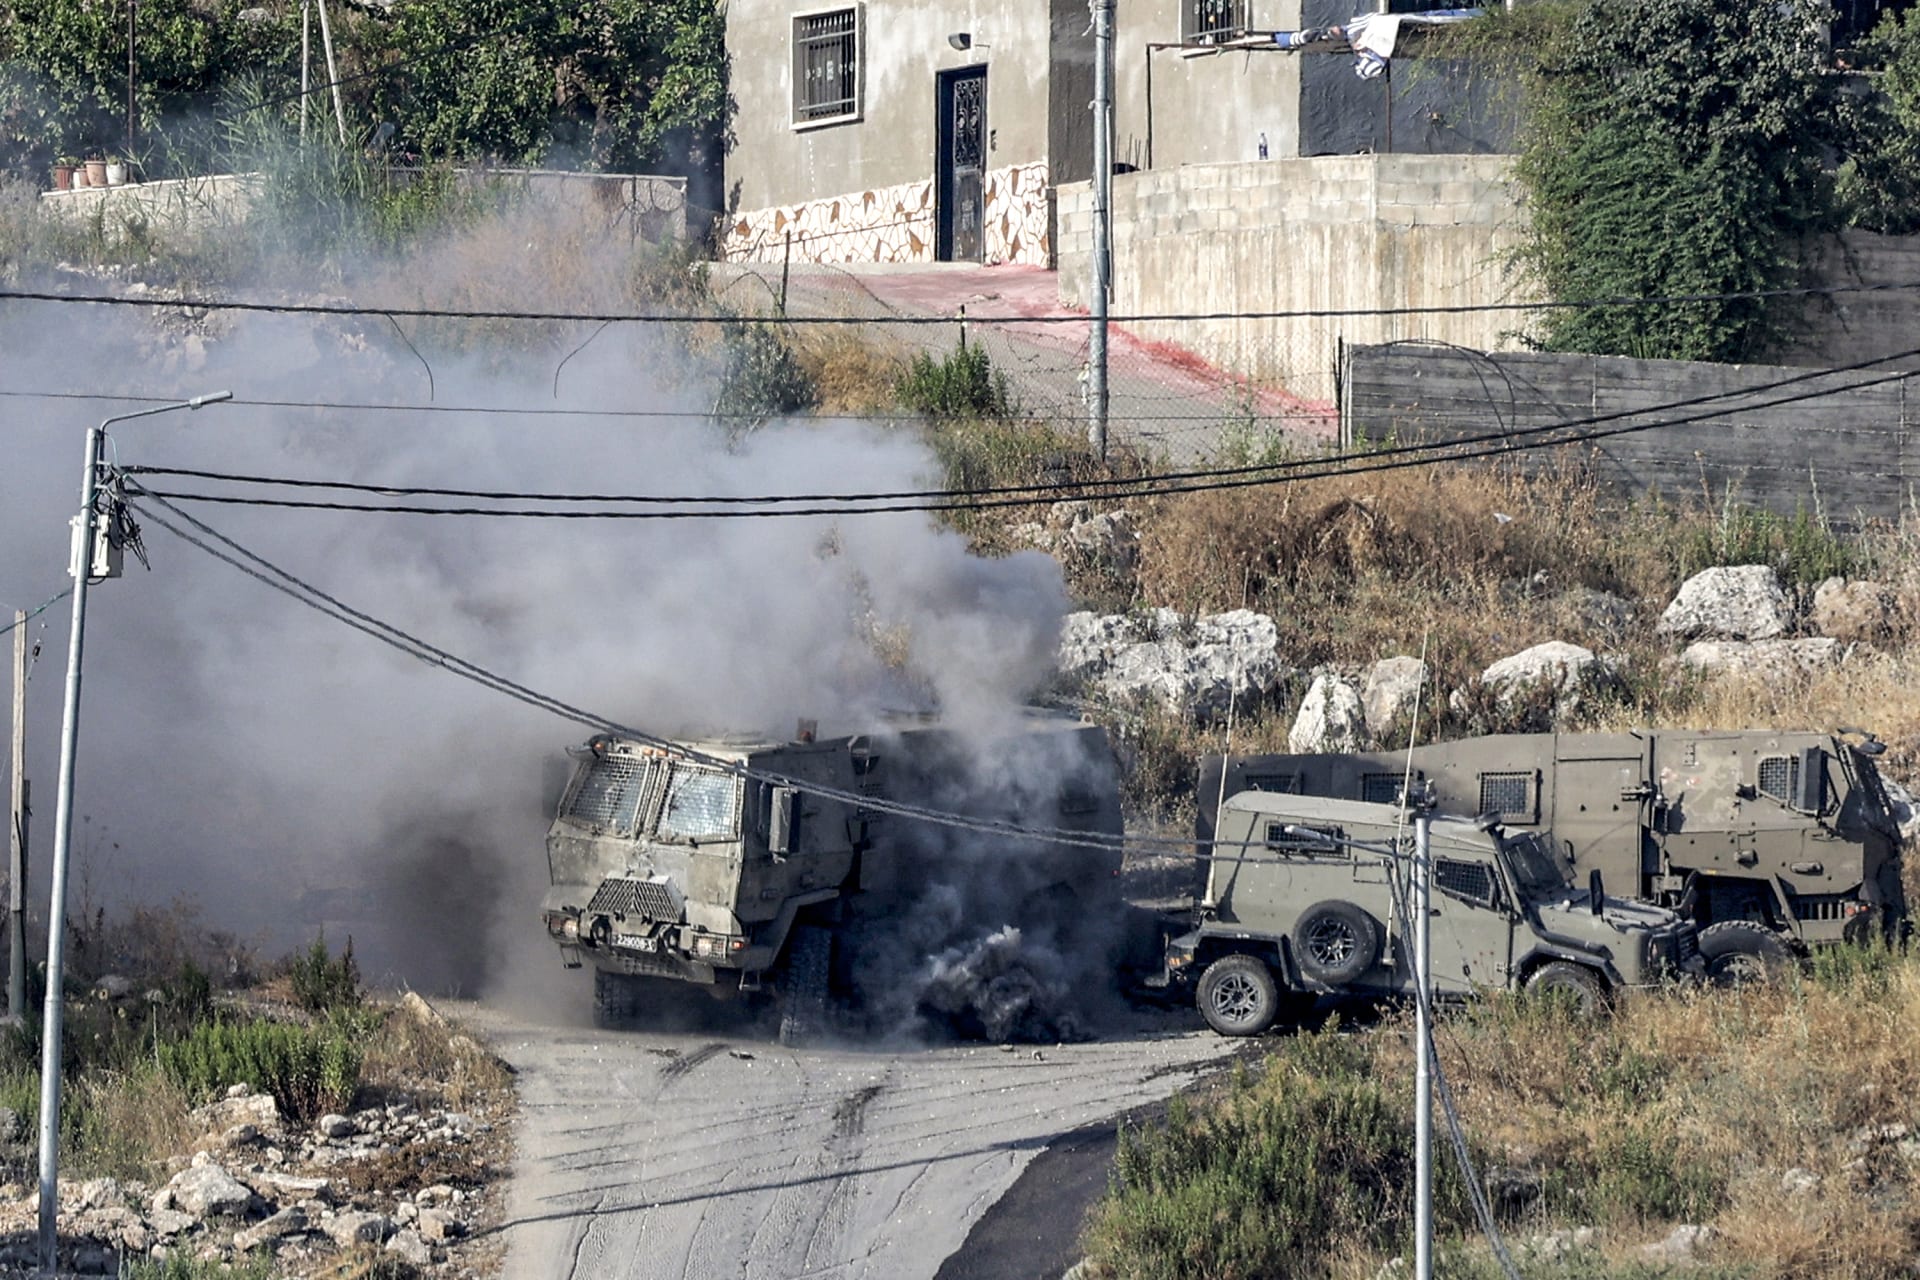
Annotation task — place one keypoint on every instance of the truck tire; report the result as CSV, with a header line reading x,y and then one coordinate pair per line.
x,y
1743,953
616,999
1583,989
1239,996
1335,943
803,988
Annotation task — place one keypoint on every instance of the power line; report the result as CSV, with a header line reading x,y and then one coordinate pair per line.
x,y
1499,444
637,317
1127,486
36,611
262,570
550,411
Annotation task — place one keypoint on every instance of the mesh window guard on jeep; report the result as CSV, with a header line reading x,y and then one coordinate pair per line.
x,y
1470,880
1333,845
1380,788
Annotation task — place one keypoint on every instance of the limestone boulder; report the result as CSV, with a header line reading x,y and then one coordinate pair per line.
x,y
207,1190
1569,671
1389,690
1331,718
1741,602
1855,612
1196,666
1773,661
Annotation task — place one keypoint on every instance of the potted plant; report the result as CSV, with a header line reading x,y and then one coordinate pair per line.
x,y
116,172
63,173
96,171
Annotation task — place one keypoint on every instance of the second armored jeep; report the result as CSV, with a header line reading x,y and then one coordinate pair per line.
x,y
1300,902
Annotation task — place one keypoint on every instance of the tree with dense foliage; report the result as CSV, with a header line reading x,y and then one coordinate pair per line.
x,y
1678,148
596,84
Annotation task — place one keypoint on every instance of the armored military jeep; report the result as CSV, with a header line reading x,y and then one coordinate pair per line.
x,y
1772,842
1296,905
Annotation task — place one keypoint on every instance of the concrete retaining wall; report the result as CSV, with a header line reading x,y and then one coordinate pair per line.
x,y
1848,451
1324,234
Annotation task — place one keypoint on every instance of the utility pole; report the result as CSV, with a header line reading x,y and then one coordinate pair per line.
x,y
133,68
306,62
1423,1033
17,832
1102,222
333,70
89,531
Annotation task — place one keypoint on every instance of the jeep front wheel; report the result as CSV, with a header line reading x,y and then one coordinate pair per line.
x,y
1584,990
1741,953
1239,996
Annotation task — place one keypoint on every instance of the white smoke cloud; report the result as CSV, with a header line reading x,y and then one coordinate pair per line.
x,y
282,770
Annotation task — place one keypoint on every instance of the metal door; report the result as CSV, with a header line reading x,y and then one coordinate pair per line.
x,y
961,212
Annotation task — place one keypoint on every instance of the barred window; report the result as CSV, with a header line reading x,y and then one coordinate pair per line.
x,y
1380,788
826,65
1275,783
1211,21
702,804
1324,842
1780,778
612,793
1510,796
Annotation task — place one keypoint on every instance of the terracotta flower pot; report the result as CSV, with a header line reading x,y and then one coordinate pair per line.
x,y
63,177
96,173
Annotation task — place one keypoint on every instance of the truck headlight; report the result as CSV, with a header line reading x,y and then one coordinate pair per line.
x,y
716,945
563,926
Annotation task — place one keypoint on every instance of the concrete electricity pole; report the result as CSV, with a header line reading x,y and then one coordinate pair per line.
x,y
1102,222
89,533
17,832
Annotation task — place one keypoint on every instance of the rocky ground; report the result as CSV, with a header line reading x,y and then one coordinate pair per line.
x,y
394,1189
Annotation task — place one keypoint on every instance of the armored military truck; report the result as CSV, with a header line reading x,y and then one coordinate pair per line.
x,y
718,863
1771,842
1299,900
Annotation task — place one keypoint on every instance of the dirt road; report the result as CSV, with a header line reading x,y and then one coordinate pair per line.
x,y
692,1156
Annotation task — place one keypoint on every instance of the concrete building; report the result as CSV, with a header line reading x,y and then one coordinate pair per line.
x,y
901,131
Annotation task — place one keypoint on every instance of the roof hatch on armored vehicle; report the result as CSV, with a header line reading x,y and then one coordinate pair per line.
x,y
1512,797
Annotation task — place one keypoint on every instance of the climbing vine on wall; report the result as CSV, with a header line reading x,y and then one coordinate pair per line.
x,y
1691,147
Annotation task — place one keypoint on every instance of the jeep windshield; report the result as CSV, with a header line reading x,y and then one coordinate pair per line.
x,y
635,796
1536,868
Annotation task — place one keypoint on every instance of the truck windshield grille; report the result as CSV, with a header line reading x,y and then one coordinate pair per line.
x,y
702,804
612,794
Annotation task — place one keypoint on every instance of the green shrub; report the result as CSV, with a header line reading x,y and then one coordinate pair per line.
x,y
308,1070
321,982
1261,1181
963,384
760,376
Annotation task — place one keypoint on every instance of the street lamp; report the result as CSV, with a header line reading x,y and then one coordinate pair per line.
x,y
86,531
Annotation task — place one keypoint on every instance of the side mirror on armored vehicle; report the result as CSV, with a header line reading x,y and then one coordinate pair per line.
x,y
781,819
1596,891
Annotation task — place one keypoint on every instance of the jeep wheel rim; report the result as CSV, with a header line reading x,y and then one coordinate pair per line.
x,y
1331,944
1739,969
1235,998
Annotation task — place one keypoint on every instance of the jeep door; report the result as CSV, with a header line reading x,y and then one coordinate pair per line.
x,y
1471,933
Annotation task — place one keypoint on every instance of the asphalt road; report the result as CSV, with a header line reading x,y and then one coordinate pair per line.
x,y
684,1154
